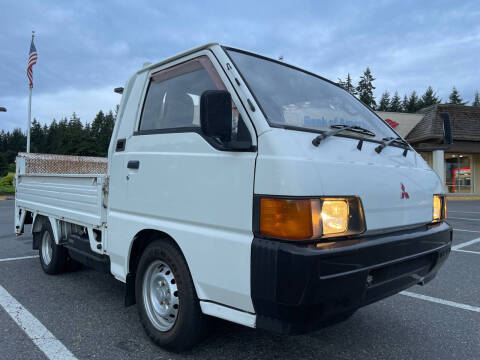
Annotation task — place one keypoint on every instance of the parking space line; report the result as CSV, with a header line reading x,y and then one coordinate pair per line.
x,y
441,301
467,243
455,218
39,334
474,231
19,258
469,251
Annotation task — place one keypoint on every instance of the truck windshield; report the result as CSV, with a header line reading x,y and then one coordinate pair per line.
x,y
293,98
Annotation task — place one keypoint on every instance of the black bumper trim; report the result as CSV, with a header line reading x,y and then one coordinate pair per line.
x,y
297,288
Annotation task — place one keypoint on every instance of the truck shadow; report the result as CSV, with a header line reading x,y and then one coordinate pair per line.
x,y
358,337
90,316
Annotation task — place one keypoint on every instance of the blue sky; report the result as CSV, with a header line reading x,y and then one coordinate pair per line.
x,y
86,48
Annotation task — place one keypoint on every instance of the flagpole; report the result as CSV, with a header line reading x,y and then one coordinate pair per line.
x,y
29,117
29,121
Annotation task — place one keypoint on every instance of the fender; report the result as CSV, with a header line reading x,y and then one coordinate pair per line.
x,y
37,225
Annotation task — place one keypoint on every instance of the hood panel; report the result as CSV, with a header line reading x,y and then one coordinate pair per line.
x,y
288,164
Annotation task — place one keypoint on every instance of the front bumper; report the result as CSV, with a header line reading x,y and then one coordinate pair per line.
x,y
298,288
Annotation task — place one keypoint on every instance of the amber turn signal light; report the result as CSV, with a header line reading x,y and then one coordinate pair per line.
x,y
306,219
288,218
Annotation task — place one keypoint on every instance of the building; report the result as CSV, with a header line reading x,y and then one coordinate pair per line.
x,y
458,163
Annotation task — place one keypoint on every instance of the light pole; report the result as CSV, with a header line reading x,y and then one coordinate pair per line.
x,y
2,109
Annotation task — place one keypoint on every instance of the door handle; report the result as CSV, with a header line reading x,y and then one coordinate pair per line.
x,y
133,164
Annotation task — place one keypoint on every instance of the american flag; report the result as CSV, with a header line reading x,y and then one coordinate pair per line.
x,y
32,60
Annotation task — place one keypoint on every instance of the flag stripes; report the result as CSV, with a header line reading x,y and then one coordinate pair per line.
x,y
32,60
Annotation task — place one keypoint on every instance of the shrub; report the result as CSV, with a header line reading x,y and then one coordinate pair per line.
x,y
6,184
7,180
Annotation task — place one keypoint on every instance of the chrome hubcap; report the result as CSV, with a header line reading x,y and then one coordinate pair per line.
x,y
47,248
160,295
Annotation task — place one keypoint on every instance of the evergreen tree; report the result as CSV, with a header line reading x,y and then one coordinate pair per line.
x,y
74,136
106,133
384,102
87,145
61,138
395,103
429,98
476,101
96,130
413,103
36,137
97,123
116,109
349,85
365,88
16,142
45,139
405,103
3,165
455,98
52,137
69,137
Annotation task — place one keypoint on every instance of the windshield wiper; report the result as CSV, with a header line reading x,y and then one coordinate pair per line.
x,y
339,129
389,141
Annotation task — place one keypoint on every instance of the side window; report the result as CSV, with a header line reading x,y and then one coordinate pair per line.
x,y
173,98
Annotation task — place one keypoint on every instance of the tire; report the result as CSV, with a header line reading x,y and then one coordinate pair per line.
x,y
53,257
166,299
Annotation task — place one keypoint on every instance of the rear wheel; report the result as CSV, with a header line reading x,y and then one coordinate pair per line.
x,y
53,257
167,302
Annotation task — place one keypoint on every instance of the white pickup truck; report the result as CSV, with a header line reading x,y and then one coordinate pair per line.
x,y
244,188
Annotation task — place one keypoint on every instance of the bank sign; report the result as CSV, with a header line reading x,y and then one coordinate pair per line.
x,y
324,122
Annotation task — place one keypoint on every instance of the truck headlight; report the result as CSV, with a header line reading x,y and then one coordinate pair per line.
x,y
439,207
334,216
308,218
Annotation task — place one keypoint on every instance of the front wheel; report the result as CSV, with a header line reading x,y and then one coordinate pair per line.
x,y
53,257
167,302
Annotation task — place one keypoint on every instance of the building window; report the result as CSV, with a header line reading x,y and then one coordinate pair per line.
x,y
458,177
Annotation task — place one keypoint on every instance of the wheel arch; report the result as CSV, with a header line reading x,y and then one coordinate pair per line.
x,y
37,224
139,243
141,240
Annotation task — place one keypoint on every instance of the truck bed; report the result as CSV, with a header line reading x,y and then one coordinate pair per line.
x,y
72,188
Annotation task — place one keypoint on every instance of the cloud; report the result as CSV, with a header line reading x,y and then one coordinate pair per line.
x,y
87,47
119,48
49,106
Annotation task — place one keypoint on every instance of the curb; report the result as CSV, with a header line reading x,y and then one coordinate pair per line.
x,y
7,197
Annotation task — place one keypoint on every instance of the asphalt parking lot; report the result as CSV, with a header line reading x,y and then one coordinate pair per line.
x,y
82,313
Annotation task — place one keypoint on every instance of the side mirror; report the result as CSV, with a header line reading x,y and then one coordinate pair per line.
x,y
216,114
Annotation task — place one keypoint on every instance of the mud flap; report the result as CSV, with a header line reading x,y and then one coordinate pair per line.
x,y
130,290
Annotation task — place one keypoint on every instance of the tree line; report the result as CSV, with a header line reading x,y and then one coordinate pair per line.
x,y
72,137
66,137
409,104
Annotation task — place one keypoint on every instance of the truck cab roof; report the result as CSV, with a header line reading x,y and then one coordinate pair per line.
x,y
178,56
